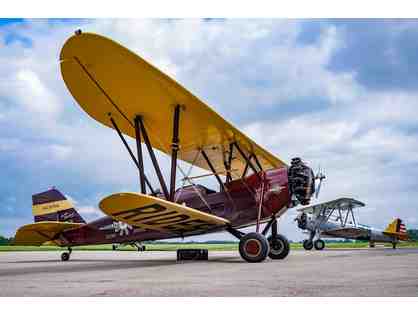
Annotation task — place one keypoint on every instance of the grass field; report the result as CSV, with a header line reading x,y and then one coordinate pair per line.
x,y
175,246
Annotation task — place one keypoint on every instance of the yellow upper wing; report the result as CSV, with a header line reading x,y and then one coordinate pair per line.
x,y
40,232
107,79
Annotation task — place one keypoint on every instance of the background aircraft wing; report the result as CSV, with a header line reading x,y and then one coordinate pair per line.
x,y
154,214
343,203
106,79
40,232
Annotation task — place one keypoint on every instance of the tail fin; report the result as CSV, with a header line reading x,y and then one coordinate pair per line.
x,y
397,228
52,205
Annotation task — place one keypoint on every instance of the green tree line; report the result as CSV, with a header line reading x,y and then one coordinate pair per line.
x,y
5,241
413,234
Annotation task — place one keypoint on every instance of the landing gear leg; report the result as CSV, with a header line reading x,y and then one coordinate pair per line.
x,y
66,255
394,245
140,247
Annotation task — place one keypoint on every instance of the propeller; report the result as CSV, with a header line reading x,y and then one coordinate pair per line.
x,y
319,176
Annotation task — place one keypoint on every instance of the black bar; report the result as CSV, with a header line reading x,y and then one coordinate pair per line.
x,y
228,175
274,228
236,233
267,227
246,159
227,168
213,169
139,154
257,162
244,173
174,150
130,153
153,159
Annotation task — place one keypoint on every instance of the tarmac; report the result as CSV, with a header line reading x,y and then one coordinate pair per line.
x,y
379,272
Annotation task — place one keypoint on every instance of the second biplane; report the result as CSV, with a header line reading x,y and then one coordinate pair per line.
x,y
124,92
336,219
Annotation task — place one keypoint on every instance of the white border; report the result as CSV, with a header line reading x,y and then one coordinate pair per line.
x,y
208,8
209,305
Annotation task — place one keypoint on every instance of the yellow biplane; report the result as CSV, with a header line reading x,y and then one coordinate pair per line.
x,y
124,92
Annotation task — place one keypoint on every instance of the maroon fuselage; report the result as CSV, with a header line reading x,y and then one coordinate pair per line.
x,y
239,204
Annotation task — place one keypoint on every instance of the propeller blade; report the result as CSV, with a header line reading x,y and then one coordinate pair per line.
x,y
318,189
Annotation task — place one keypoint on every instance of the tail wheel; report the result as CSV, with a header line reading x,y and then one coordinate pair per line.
x,y
394,245
307,244
254,247
279,247
65,256
319,244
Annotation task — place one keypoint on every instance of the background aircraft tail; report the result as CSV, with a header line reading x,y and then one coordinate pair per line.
x,y
52,205
397,229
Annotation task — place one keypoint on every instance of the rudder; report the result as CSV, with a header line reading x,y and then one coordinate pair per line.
x,y
397,228
52,205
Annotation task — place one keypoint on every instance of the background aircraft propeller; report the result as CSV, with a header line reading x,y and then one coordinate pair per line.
x,y
319,176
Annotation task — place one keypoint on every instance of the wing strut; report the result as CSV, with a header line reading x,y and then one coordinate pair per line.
x,y
213,169
139,154
138,165
153,158
229,164
247,159
174,150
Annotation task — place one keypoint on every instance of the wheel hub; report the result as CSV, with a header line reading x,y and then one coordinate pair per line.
x,y
277,247
253,247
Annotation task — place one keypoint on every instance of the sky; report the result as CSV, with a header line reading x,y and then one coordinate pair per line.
x,y
341,94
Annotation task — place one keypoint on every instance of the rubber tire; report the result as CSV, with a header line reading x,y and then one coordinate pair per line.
x,y
307,245
284,247
114,247
319,244
394,246
65,256
264,249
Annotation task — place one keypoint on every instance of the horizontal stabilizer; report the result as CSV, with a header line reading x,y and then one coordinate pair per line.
x,y
153,213
38,233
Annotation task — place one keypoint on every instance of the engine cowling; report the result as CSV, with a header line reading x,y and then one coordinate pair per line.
x,y
301,181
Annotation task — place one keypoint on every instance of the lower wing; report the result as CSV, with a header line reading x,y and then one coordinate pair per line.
x,y
154,214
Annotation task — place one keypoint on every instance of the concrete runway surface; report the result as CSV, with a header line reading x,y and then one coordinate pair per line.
x,y
362,272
